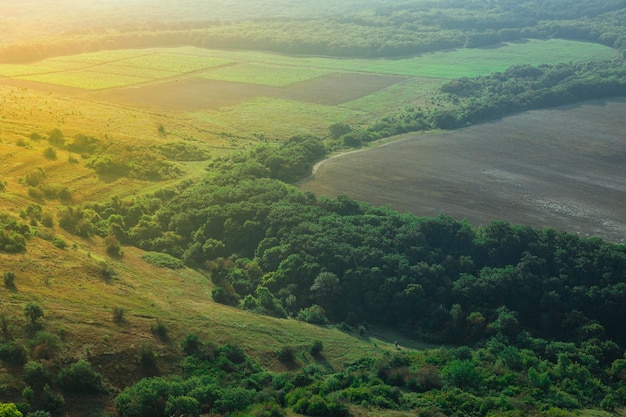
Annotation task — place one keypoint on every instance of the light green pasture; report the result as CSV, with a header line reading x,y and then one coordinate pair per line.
x,y
127,67
414,92
278,118
85,79
450,64
264,74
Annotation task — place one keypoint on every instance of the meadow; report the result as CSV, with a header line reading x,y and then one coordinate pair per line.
x,y
247,93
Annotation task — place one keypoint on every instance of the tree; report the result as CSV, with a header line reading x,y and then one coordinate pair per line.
x,y
325,289
339,129
33,312
9,410
56,138
80,377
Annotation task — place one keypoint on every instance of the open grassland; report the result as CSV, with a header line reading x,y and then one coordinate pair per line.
x,y
264,74
221,94
450,64
282,70
78,301
278,118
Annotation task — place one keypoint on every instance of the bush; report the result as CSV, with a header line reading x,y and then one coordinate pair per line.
x,y
314,315
113,246
33,312
191,345
462,374
47,219
159,330
9,279
287,354
59,243
224,296
50,153
163,260
118,315
147,358
36,376
316,348
44,344
9,410
80,377
13,354
56,138
182,406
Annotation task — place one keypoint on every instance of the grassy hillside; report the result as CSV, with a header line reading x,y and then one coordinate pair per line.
x,y
78,299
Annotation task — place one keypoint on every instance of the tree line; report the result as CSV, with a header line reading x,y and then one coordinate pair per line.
x,y
392,31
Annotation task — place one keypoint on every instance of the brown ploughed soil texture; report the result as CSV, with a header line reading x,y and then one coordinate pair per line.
x,y
563,168
193,94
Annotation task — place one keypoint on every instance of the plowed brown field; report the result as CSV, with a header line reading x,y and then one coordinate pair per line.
x,y
563,168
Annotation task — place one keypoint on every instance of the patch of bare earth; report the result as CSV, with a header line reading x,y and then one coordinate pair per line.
x,y
336,89
563,168
194,94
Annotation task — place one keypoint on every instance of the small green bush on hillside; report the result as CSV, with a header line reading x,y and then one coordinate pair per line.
x,y
163,260
13,354
80,377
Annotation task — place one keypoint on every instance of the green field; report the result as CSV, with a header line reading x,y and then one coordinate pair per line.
x,y
264,74
450,64
128,67
278,119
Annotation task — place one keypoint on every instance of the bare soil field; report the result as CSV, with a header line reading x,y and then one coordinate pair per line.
x,y
193,94
563,168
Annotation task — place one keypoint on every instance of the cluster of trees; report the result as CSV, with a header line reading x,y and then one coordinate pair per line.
x,y
541,378
396,30
13,234
519,88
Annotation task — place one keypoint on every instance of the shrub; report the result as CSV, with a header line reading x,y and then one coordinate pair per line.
x,y
9,410
13,354
163,260
59,243
56,138
118,314
182,406
36,376
462,374
9,279
47,219
287,354
80,377
147,358
159,329
316,348
44,344
314,314
50,153
224,296
112,245
33,312
4,324
191,345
